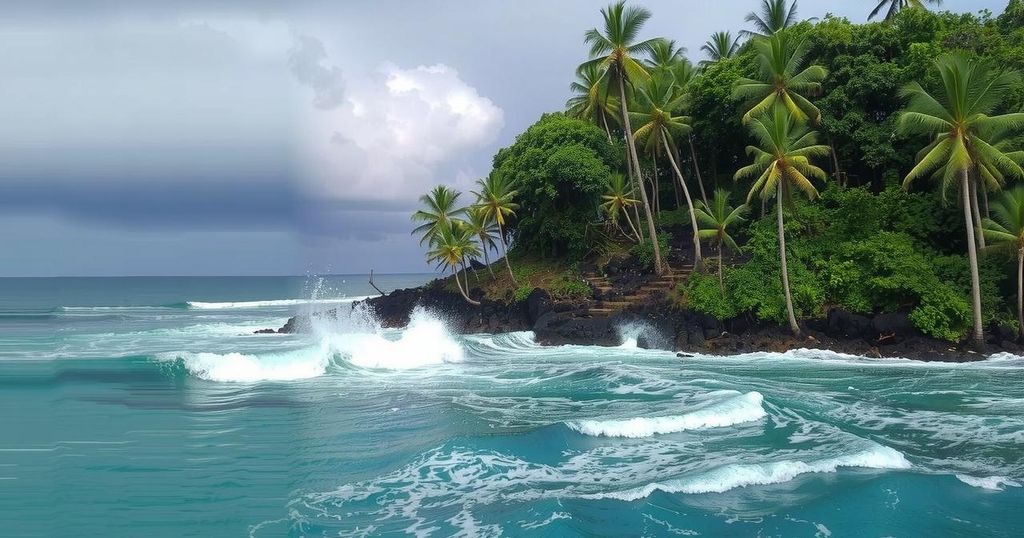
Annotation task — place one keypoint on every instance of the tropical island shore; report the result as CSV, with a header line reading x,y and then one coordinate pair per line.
x,y
822,184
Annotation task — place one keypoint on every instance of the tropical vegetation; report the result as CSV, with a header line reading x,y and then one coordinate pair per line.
x,y
884,146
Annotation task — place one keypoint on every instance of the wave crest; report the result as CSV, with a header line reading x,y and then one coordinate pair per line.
x,y
735,410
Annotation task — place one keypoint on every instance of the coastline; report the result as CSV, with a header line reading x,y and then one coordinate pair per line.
x,y
659,324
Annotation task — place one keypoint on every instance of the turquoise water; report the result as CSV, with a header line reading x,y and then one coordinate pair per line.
x,y
146,407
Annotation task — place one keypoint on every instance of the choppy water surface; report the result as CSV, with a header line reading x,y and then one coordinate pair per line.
x,y
153,410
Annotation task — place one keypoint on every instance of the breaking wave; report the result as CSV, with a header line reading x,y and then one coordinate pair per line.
x,y
200,305
994,483
735,410
738,475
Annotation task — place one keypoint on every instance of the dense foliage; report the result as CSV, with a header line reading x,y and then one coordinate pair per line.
x,y
560,167
863,252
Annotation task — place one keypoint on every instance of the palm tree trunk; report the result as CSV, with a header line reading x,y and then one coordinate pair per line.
x,y
455,271
487,260
785,269
1020,293
636,170
654,183
639,238
696,170
504,251
977,215
721,280
972,257
632,185
689,203
604,120
984,200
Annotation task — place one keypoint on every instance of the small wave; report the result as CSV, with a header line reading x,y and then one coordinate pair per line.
x,y
737,475
994,483
243,368
738,409
200,305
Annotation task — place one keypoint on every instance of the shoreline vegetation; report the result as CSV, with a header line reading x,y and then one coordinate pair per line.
x,y
811,183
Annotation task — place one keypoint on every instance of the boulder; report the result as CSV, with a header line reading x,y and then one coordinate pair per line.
x,y
846,324
538,303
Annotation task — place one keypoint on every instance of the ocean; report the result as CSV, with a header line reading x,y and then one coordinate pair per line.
x,y
147,407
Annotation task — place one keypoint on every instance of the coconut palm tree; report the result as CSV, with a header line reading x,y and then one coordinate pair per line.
x,y
1006,232
591,100
616,50
716,218
439,209
495,200
451,245
782,163
775,15
618,198
781,80
895,6
719,47
484,229
664,56
958,120
658,125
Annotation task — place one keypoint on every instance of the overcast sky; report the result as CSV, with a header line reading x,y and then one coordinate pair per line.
x,y
277,137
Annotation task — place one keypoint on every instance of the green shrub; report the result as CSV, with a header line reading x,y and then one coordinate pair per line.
x,y
644,252
570,286
522,292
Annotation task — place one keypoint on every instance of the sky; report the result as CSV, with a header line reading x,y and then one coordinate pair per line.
x,y
270,137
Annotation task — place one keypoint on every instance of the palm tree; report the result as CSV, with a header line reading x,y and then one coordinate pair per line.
x,y
615,51
665,56
439,210
782,162
895,6
958,120
618,198
451,245
719,47
484,229
1006,231
591,100
716,219
495,200
774,16
780,80
658,125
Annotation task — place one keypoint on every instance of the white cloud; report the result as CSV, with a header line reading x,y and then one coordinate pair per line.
x,y
394,132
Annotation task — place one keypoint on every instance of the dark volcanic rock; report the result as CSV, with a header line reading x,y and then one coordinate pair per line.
x,y
538,303
842,323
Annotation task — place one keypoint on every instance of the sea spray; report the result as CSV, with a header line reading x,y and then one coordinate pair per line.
x,y
636,332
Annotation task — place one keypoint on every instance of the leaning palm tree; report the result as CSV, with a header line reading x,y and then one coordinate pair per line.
x,y
782,163
439,209
958,119
774,16
895,6
590,100
484,229
1006,232
450,247
618,198
780,79
720,47
716,218
615,50
658,125
495,200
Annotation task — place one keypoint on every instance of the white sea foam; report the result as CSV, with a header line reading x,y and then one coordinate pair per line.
x,y
200,305
738,475
425,341
735,410
243,368
994,483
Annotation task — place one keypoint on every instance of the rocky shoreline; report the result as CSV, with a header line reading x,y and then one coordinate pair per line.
x,y
661,325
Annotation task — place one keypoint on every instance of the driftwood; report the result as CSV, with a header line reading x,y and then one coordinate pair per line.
x,y
374,285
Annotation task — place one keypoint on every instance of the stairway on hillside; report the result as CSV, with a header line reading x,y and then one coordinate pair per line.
x,y
606,307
